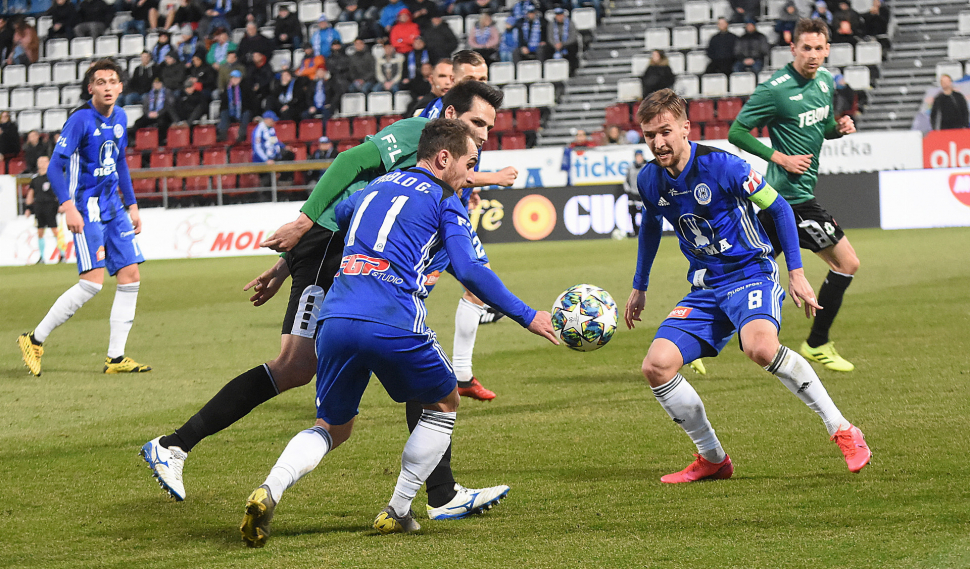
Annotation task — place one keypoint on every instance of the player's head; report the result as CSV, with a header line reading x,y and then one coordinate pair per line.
x,y
475,104
448,149
946,82
663,118
104,82
42,163
810,46
469,64
441,78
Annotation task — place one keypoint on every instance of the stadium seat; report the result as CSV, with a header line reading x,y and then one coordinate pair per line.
x,y
728,108
716,131
299,153
516,95
629,89
189,158
513,141
742,83
16,165
695,133
232,132
504,122
309,11
714,85
331,8
870,52
203,135
491,143
697,62
249,132
542,95
57,48
132,45
457,25
387,120
311,130
353,104
618,114
14,75
286,131
141,186
701,110
705,33
339,129
82,47
639,63
583,18
134,113
54,119
106,46
678,62
380,103
528,71
4,99
501,73
64,72
39,74
29,120
720,9
364,126
242,154
248,181
780,57
554,70
840,55
216,156
657,38
44,24
401,101
345,145
146,139
687,86
160,159
347,30
49,96
858,77
528,120
697,12
178,137
281,58
22,98
684,37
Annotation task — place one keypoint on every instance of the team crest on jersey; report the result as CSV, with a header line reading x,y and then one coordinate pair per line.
x,y
119,130
823,86
753,182
702,193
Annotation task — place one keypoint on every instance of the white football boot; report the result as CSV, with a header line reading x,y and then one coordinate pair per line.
x,y
166,465
468,501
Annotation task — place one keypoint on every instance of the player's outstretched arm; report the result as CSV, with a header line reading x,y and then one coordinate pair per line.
x,y
740,136
634,306
504,177
267,284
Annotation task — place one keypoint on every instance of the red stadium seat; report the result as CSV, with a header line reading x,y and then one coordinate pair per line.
x,y
248,181
492,142
598,138
232,132
701,110
163,159
214,157
242,154
339,129
311,130
191,158
299,152
140,185
146,139
364,126
133,160
728,108
204,135
286,131
513,141
716,131
16,166
178,137
504,122
249,132
695,132
618,114
387,120
346,145
527,120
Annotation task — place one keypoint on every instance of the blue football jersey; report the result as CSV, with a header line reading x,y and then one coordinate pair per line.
x,y
708,206
92,146
433,110
394,227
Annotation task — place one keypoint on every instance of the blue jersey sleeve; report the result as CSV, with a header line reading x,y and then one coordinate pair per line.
x,y
71,135
651,229
57,177
455,230
344,211
741,179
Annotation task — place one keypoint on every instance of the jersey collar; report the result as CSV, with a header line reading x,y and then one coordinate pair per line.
x,y
446,190
687,167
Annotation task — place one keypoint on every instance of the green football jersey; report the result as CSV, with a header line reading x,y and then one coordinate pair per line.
x,y
798,113
398,144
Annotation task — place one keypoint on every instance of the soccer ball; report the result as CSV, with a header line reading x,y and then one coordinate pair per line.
x,y
584,317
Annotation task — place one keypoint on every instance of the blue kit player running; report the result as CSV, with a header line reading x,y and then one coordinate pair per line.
x,y
373,321
708,196
86,172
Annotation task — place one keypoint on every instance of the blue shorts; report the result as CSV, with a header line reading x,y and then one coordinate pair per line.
x,y
412,367
704,321
441,263
109,244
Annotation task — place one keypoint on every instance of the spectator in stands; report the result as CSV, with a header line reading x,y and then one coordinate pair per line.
x,y
63,15
323,37
875,22
531,35
562,41
470,7
822,12
632,191
325,150
188,12
234,107
350,11
389,69
172,72
413,61
508,47
155,105
721,50
9,136
161,48
253,42
362,69
259,79
751,50
287,97
519,11
744,10
26,44
190,46
581,140
484,38
287,29
389,15
422,11
190,105
267,148
403,32
338,64
321,97
419,87
232,64
613,136
215,15
34,149
785,24
949,107
219,51
144,15
245,11
658,74
440,38
94,17
140,82
310,63
845,13
204,75
441,80
845,99
6,38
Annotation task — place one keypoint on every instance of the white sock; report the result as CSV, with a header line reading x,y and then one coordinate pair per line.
x,y
685,407
65,307
467,318
122,317
424,449
302,454
799,377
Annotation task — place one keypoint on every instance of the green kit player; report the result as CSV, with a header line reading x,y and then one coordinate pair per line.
x,y
796,105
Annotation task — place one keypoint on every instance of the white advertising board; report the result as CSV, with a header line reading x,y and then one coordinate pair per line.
x,y
913,199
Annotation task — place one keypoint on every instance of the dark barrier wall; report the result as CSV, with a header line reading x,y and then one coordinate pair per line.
x,y
593,212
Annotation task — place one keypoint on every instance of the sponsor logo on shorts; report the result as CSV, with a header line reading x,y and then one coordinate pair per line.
x,y
127,233
431,278
680,312
101,253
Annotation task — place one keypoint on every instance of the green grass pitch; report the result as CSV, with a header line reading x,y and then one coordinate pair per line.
x,y
578,437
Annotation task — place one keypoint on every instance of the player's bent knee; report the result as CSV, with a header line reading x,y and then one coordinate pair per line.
x,y
472,298
657,372
338,433
761,352
292,370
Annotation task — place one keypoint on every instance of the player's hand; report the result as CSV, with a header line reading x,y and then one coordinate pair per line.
x,y
797,164
802,291
75,223
634,306
135,218
507,176
267,284
287,236
475,199
542,326
846,125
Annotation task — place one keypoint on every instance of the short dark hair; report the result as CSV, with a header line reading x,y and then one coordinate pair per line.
x,y
106,64
462,95
444,60
664,100
468,56
444,134
810,26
